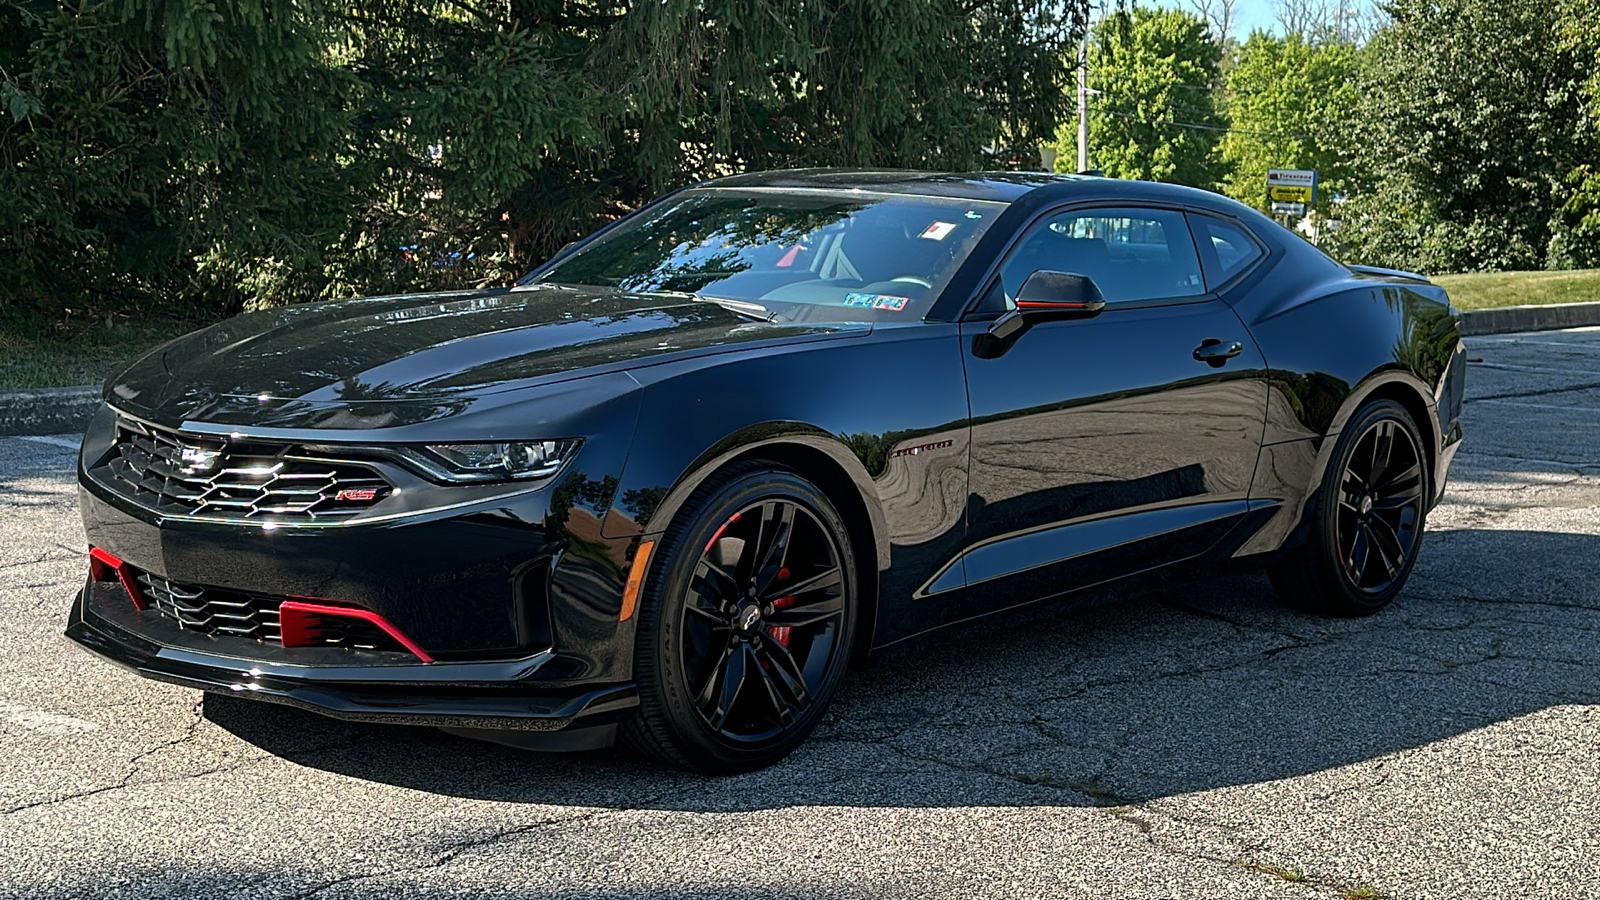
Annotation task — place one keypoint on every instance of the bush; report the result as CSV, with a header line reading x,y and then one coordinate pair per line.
x,y
1470,123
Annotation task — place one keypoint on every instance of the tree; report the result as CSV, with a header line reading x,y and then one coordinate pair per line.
x,y
1156,116
1575,242
1317,21
1469,127
265,151
126,124
1219,15
1291,103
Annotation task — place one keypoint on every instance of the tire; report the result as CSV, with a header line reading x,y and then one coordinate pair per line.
x,y
1367,519
742,642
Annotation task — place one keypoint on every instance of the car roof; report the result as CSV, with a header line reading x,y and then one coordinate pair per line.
x,y
1004,187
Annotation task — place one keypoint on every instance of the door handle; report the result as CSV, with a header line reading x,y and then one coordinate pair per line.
x,y
1217,353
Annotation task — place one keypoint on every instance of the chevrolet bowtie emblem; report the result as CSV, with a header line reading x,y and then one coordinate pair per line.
x,y
200,459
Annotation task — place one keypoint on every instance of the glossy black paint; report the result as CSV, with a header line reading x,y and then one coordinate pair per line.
x,y
1073,454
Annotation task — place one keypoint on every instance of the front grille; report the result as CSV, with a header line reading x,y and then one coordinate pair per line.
x,y
217,478
213,611
223,613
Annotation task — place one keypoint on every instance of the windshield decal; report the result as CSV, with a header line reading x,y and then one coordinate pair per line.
x,y
876,301
938,231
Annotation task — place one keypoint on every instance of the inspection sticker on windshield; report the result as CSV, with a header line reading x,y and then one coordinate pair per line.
x,y
938,231
876,301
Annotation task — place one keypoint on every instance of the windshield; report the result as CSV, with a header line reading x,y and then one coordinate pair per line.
x,y
798,255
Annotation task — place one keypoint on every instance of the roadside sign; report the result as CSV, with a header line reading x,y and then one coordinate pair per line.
x,y
1288,209
1290,193
1292,185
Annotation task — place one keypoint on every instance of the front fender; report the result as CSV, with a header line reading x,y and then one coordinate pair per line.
x,y
768,439
885,412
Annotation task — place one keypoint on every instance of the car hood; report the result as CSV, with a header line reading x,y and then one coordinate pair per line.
x,y
432,350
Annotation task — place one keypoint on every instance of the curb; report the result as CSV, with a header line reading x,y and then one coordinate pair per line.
x,y
47,410
1508,319
66,410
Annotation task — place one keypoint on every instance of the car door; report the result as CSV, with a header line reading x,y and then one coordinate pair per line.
x,y
1108,445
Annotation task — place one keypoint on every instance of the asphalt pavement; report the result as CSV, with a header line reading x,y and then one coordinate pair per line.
x,y
1202,742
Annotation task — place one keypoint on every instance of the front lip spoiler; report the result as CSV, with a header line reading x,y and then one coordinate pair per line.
x,y
438,702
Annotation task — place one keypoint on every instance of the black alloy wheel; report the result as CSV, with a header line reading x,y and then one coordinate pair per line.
x,y
1367,521
1380,507
745,623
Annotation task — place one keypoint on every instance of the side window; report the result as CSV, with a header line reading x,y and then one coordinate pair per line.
x,y
1234,248
1131,254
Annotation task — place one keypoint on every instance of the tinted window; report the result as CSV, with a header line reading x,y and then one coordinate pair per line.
x,y
806,255
1234,248
1130,254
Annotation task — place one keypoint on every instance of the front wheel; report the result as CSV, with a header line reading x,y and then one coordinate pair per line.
x,y
745,622
1366,523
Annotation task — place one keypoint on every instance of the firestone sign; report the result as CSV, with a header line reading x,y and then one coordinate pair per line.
x,y
1292,185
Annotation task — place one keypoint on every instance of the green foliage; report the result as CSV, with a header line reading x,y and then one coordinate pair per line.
x,y
1156,117
224,154
154,133
1468,131
1575,243
1291,102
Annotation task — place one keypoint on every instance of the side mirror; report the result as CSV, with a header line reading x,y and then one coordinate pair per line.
x,y
1055,295
1045,296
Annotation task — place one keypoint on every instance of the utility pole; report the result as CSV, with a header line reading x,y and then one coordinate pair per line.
x,y
1083,101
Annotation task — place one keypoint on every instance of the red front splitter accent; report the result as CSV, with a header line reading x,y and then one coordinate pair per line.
x,y
298,623
101,560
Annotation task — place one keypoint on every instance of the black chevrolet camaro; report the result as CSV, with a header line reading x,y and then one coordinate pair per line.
x,y
673,482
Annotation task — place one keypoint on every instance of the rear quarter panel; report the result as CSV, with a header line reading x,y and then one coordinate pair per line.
x,y
1331,345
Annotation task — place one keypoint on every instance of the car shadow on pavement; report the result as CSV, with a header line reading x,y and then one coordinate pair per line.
x,y
1206,686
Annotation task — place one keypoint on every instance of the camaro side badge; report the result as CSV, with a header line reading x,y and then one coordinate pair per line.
x,y
921,448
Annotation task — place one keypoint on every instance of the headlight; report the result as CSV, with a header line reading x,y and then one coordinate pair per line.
x,y
500,461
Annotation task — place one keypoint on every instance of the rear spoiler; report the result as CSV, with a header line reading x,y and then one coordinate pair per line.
x,y
1377,274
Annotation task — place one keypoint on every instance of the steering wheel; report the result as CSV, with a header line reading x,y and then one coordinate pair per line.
x,y
914,279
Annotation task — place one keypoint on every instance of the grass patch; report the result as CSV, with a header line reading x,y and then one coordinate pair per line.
x,y
1362,892
1484,290
1291,875
82,354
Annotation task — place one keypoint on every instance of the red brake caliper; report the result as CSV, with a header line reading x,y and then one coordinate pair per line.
x,y
781,634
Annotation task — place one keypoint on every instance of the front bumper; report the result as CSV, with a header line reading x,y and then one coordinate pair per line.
x,y
344,684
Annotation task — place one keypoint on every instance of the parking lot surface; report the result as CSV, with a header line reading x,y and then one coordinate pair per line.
x,y
1201,742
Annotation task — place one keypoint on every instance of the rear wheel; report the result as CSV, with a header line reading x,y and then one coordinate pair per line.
x,y
1367,520
745,622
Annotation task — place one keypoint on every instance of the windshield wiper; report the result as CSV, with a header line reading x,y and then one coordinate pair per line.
x,y
742,307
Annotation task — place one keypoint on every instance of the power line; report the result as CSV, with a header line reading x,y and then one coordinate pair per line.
x,y
1228,89
1200,127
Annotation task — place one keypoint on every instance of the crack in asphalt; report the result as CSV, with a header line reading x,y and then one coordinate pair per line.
x,y
1552,604
134,765
454,852
1169,603
1251,851
190,731
34,562
1538,392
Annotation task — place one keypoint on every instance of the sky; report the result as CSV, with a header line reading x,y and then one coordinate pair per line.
x,y
1248,15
